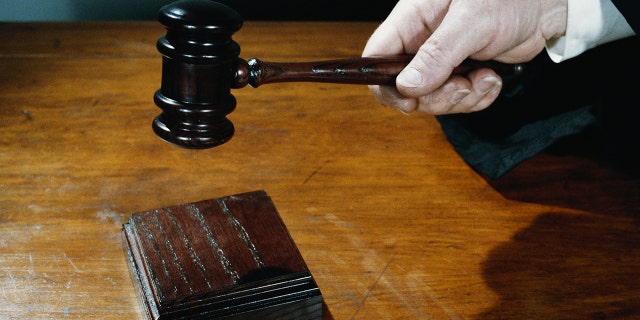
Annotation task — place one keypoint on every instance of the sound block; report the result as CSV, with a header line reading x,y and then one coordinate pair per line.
x,y
226,258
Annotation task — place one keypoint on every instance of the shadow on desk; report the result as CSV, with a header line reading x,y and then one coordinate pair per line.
x,y
572,265
326,313
578,173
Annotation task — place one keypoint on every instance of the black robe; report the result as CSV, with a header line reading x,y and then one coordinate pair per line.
x,y
589,103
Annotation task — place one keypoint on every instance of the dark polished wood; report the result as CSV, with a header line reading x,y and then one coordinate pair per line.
x,y
364,70
230,258
391,223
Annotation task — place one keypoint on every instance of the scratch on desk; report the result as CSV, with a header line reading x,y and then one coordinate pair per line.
x,y
71,262
425,287
36,208
31,270
371,259
344,224
12,279
315,172
375,283
107,214
311,175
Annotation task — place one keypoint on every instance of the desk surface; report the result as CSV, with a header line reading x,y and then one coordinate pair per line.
x,y
390,220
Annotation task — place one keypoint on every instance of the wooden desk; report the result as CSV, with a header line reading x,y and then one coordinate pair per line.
x,y
391,222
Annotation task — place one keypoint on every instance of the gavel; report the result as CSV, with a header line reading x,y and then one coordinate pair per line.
x,y
201,65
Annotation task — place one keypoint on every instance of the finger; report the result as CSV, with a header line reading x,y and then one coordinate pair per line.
x,y
385,40
389,96
403,31
486,86
463,95
449,45
446,99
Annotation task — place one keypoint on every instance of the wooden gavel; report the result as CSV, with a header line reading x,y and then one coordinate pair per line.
x,y
201,64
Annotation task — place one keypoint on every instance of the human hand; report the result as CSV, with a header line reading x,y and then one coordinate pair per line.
x,y
443,33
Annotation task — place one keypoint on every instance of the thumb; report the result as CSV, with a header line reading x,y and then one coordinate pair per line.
x,y
435,60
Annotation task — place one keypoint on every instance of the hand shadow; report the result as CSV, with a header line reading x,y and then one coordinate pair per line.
x,y
570,265
579,173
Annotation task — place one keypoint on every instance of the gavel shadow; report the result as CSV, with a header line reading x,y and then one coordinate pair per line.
x,y
572,265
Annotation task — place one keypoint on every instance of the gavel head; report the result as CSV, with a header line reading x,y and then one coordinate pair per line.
x,y
198,68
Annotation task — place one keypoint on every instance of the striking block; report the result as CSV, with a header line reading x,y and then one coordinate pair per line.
x,y
226,258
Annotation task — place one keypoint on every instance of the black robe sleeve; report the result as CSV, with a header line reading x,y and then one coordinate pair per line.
x,y
591,99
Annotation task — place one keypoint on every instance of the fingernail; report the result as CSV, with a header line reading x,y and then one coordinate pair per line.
x,y
406,113
409,78
459,95
488,84
404,107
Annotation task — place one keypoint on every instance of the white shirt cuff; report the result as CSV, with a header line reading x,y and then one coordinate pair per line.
x,y
590,23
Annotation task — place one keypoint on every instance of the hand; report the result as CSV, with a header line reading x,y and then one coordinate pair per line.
x,y
442,33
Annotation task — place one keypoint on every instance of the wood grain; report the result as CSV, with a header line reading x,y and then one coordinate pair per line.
x,y
390,221
230,257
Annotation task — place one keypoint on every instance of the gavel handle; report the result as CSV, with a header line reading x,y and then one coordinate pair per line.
x,y
370,70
